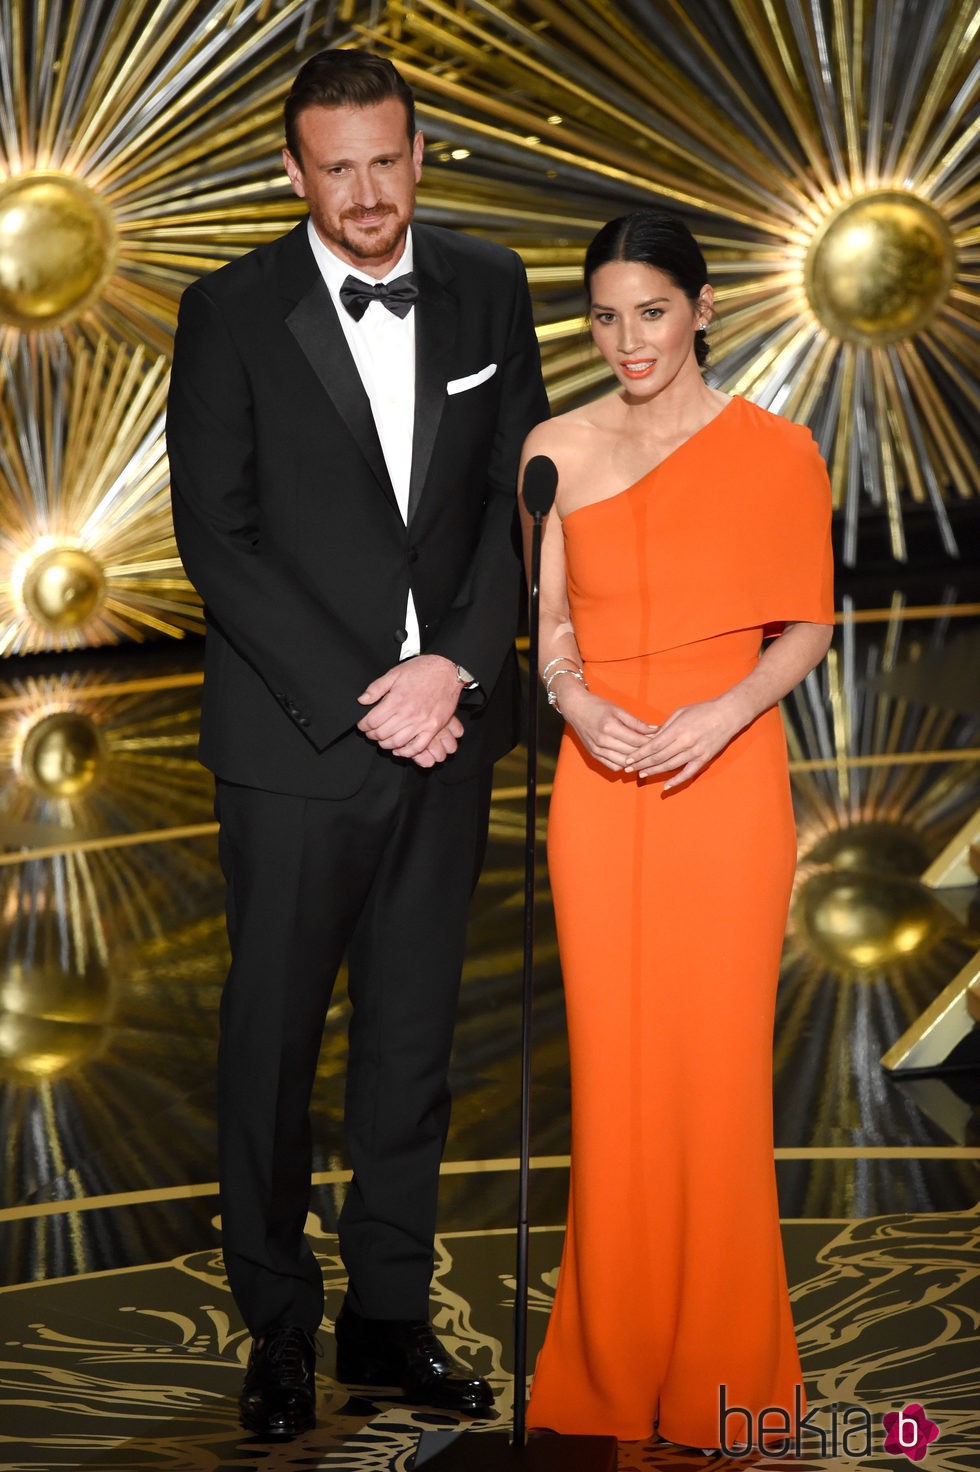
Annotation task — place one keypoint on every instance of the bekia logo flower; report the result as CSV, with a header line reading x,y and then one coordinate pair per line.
x,y
909,1432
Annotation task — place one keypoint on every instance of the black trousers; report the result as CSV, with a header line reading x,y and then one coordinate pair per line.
x,y
385,876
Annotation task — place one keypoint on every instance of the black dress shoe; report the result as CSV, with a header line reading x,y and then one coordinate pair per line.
x,y
278,1399
406,1353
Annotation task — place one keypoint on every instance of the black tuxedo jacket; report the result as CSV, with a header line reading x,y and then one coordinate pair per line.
x,y
288,526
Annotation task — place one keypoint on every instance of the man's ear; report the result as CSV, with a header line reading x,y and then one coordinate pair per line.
x,y
295,173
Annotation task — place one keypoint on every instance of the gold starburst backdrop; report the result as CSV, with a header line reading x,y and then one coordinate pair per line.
x,y
824,153
83,764
138,149
881,739
87,552
869,825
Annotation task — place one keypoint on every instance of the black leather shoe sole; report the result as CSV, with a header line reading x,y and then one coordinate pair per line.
x,y
355,1369
281,1426
476,1403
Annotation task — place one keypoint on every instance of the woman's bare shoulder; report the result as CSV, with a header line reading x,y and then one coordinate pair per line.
x,y
566,436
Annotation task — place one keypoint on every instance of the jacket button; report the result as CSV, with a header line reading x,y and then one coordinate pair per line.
x,y
401,635
304,720
413,554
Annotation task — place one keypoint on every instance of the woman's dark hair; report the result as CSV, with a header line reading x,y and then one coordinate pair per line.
x,y
344,78
655,238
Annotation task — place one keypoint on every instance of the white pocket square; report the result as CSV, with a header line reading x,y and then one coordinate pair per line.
x,y
472,380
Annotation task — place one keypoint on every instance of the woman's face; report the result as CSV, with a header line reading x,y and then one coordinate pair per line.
x,y
644,325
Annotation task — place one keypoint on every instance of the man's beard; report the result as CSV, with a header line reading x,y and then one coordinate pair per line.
x,y
381,243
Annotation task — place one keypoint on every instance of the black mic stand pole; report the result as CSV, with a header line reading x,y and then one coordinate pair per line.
x,y
495,1451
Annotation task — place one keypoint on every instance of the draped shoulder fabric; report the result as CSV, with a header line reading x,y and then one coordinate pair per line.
x,y
672,1299
731,531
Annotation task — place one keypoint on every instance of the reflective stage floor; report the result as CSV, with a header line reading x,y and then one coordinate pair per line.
x,y
120,1344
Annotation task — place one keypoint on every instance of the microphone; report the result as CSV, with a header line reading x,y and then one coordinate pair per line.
x,y
495,1451
540,484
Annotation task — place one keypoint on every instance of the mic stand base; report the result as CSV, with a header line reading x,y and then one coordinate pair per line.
x,y
494,1451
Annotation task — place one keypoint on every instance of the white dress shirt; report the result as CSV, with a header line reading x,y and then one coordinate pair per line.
x,y
383,347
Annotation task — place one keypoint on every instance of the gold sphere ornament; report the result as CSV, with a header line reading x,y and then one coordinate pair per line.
x,y
57,249
873,847
62,754
52,1021
861,922
62,588
879,268
864,907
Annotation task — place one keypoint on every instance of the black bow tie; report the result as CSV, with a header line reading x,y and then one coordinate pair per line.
x,y
398,295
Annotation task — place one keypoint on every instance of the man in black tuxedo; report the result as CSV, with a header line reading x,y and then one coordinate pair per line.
x,y
346,413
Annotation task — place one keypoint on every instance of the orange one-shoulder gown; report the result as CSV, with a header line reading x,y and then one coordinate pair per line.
x,y
670,912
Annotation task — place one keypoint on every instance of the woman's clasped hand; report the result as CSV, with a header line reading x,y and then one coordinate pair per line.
x,y
607,732
684,744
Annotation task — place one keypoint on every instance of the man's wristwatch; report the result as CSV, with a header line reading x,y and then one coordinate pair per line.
x,y
465,678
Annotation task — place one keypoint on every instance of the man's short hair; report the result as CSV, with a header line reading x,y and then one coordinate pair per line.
x,y
344,78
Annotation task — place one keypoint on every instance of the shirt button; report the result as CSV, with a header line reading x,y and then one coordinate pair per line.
x,y
401,635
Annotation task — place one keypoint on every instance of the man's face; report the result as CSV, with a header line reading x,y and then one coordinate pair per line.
x,y
357,172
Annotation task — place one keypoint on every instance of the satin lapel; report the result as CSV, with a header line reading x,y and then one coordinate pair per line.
x,y
313,322
435,336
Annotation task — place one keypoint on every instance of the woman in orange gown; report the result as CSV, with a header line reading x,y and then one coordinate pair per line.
x,y
687,527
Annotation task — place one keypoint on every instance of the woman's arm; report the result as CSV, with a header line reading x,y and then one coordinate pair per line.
x,y
694,734
607,732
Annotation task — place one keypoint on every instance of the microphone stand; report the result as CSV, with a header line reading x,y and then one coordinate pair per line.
x,y
495,1451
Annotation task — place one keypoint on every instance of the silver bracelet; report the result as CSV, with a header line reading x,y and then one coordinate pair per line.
x,y
559,659
571,670
575,674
